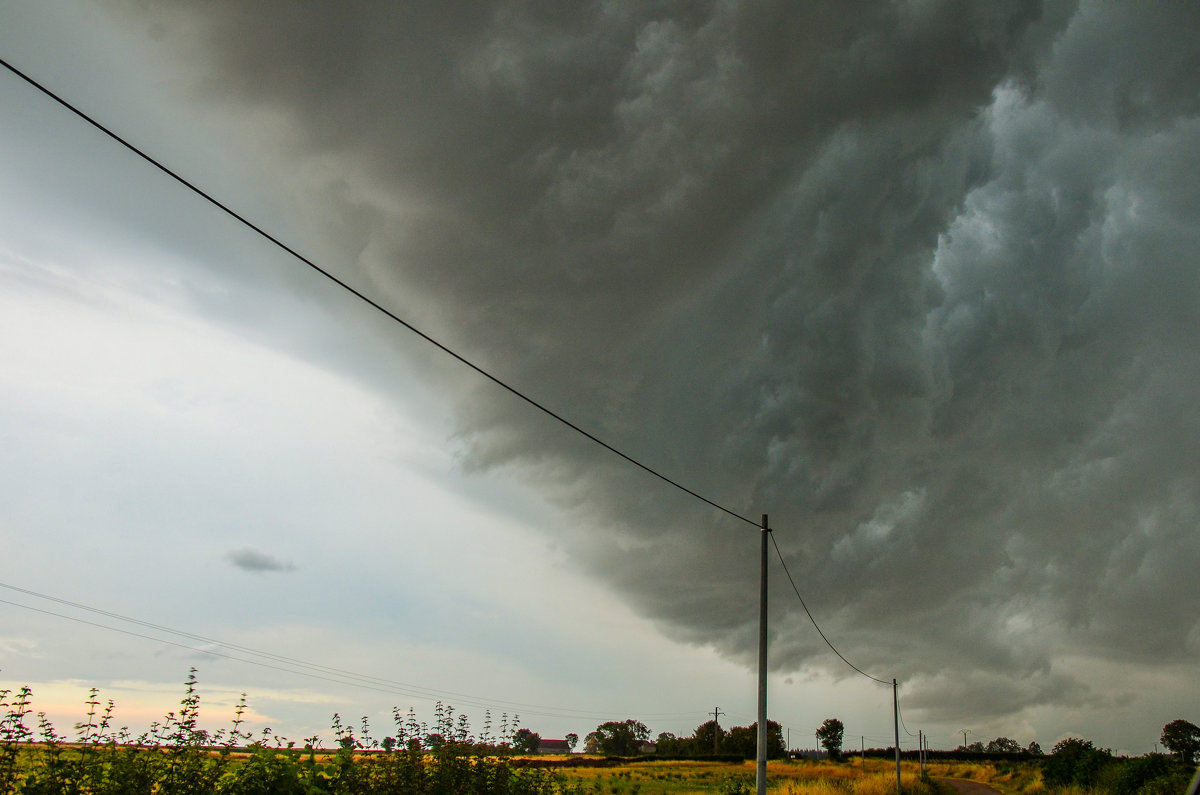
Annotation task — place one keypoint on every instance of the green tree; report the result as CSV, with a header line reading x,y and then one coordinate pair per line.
x,y
708,738
620,738
572,740
1003,745
668,744
1074,761
1182,739
744,740
830,736
526,741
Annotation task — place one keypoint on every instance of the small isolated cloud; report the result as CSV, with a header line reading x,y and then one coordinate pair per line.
x,y
254,561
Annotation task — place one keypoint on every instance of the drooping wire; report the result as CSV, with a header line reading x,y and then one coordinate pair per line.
x,y
440,346
369,301
900,714
277,662
816,626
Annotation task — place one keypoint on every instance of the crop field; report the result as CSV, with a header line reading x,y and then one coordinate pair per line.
x,y
784,777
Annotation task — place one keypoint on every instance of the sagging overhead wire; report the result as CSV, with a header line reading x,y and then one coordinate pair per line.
x,y
279,662
440,346
900,715
816,626
369,301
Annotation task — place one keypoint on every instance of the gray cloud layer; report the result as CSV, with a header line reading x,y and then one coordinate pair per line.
x,y
918,279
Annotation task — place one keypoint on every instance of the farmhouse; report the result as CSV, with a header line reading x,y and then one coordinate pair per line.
x,y
553,747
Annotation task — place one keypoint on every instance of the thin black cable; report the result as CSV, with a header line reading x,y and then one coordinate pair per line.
x,y
900,714
379,307
369,301
325,673
813,620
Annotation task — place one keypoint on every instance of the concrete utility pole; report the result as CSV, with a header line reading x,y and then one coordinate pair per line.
x,y
760,768
965,732
896,724
716,728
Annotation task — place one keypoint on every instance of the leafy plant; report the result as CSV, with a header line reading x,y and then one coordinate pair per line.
x,y
176,757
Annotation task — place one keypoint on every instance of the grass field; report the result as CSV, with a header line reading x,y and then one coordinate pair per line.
x,y
800,777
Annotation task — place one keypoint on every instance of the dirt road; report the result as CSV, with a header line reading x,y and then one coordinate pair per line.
x,y
965,787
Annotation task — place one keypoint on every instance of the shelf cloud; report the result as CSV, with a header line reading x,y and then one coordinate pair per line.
x,y
918,280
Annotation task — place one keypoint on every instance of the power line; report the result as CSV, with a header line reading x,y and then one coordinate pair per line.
x,y
440,346
369,301
817,627
901,714
314,670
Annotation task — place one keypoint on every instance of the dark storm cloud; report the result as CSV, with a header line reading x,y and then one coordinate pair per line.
x,y
253,560
917,279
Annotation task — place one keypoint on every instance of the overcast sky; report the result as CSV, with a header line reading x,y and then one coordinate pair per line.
x,y
920,280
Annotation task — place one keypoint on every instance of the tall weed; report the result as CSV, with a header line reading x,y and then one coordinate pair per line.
x,y
176,757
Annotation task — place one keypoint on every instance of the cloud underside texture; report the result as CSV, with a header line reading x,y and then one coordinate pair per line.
x,y
919,280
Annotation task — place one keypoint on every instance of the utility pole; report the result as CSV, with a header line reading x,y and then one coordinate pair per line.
x,y
965,732
760,768
921,750
716,728
862,751
896,725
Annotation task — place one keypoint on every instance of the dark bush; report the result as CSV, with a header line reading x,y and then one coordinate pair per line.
x,y
1075,761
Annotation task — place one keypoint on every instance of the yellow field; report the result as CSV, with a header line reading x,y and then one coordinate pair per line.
x,y
801,777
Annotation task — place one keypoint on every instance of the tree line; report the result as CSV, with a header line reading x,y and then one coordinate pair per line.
x,y
710,739
631,737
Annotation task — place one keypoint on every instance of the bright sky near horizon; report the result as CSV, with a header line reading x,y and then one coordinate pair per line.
x,y
919,280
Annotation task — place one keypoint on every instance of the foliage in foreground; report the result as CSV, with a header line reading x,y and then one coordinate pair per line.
x,y
1076,767
1076,764
177,758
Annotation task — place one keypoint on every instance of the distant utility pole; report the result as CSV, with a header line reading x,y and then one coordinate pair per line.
x,y
965,732
716,727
